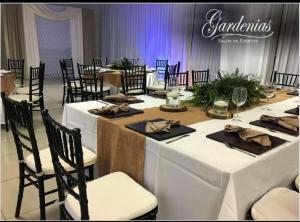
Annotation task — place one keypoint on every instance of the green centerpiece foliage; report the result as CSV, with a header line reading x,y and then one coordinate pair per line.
x,y
122,63
204,95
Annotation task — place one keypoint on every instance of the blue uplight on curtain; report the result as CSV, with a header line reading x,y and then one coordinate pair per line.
x,y
147,31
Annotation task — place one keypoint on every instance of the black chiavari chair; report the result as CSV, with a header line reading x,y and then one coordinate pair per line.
x,y
92,84
64,77
73,84
170,70
200,77
178,67
134,80
134,61
30,167
178,79
69,67
17,67
36,167
285,79
100,62
99,199
36,88
162,85
160,66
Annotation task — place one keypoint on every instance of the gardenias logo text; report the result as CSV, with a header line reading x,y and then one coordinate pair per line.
x,y
214,27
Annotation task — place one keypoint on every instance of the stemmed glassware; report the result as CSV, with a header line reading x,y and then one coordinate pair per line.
x,y
239,97
269,91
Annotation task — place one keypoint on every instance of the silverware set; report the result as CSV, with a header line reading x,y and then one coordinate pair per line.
x,y
235,148
178,138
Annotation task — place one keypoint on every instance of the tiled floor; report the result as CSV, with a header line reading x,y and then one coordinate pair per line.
x,y
9,162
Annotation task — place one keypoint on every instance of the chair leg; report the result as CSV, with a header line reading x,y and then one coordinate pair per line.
x,y
20,195
6,121
64,94
91,172
42,199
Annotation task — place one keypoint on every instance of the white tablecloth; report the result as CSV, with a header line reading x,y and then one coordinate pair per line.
x,y
198,178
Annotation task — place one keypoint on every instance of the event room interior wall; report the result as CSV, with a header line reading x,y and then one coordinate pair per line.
x,y
173,31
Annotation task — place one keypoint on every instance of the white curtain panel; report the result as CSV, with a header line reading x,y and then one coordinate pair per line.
x,y
287,60
205,53
250,58
147,31
31,42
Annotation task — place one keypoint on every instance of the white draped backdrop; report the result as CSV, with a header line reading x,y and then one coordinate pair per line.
x,y
30,32
173,31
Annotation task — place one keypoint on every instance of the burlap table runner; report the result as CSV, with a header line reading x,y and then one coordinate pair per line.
x,y
122,149
8,83
114,77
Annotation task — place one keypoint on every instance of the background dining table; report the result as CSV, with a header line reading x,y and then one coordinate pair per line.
x,y
7,86
199,178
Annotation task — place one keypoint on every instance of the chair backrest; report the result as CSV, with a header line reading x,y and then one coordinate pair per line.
x,y
178,67
178,79
21,124
170,69
285,79
92,84
17,66
63,71
134,61
36,81
65,144
161,65
134,79
200,77
69,68
102,62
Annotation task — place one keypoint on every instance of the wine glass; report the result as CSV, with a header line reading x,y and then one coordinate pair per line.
x,y
269,92
239,97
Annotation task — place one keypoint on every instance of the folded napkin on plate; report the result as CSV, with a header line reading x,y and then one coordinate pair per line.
x,y
111,109
120,97
160,92
250,135
161,126
288,122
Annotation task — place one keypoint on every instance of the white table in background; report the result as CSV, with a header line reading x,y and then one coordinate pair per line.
x,y
198,178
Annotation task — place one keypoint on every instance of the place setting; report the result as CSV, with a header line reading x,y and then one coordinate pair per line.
x,y
120,98
115,111
283,124
247,140
161,129
294,111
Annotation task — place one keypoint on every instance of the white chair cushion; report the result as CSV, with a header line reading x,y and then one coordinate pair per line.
x,y
73,83
113,197
89,158
156,87
105,88
297,182
21,97
278,204
22,90
135,91
17,85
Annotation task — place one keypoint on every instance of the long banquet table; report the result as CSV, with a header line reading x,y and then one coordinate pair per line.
x,y
198,178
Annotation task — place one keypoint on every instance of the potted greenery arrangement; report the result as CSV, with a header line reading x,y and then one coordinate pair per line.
x,y
204,95
122,64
